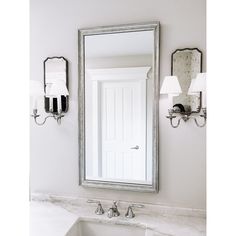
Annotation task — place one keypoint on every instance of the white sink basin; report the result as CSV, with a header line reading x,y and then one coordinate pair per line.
x,y
94,228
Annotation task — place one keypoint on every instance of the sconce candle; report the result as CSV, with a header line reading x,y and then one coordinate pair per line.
x,y
203,99
171,87
57,90
50,103
59,104
36,91
35,103
200,86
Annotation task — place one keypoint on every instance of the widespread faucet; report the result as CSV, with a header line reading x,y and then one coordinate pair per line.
x,y
113,211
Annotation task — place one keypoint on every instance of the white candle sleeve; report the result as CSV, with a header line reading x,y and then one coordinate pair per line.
x,y
58,104
35,103
50,103
170,101
203,99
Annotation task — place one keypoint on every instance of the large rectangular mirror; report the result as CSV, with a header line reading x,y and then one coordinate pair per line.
x,y
118,107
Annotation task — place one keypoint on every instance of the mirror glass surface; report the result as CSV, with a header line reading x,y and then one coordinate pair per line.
x,y
186,64
55,69
119,94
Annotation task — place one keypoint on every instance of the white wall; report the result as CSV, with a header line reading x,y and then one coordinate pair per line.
x,y
54,149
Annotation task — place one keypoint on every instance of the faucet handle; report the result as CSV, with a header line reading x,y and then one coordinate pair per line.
x,y
137,205
130,213
115,203
99,210
93,201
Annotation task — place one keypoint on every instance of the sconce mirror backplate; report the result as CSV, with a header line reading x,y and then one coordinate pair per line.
x,y
55,69
186,64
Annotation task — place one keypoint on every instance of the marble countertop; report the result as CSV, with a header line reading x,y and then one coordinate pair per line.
x,y
54,217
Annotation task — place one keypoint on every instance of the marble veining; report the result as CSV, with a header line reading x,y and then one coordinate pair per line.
x,y
55,215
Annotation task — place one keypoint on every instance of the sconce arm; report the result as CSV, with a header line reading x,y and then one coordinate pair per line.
x,y
57,117
204,116
199,124
171,117
171,121
42,123
185,117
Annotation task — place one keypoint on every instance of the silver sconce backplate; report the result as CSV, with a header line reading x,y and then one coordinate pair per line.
x,y
186,63
56,95
55,68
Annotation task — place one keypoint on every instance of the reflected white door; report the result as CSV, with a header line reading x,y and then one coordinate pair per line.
x,y
123,129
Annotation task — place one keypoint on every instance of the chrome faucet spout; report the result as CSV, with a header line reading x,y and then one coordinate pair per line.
x,y
113,211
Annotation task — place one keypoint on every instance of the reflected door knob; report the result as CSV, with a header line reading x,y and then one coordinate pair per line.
x,y
135,147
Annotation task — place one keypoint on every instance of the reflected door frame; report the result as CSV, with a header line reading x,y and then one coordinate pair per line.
x,y
134,78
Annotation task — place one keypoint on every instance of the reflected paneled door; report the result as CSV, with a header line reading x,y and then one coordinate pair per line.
x,y
123,135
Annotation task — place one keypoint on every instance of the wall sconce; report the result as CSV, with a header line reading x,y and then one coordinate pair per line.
x,y
54,91
172,87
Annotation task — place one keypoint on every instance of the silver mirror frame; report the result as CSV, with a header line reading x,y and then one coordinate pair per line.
x,y
155,26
